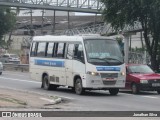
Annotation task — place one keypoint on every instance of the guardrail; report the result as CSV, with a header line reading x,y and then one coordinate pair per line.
x,y
16,67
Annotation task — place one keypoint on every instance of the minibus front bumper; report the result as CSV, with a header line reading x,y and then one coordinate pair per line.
x,y
96,82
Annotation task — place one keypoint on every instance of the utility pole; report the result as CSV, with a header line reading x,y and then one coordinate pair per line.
x,y
54,22
42,25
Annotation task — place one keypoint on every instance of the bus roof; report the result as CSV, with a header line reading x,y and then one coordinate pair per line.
x,y
68,38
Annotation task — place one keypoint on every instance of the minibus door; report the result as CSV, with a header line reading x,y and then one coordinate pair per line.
x,y
69,65
69,72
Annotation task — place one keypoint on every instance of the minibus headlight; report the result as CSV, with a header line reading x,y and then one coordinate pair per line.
x,y
123,73
93,73
144,81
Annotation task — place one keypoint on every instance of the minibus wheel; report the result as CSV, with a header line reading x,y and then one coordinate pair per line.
x,y
0,73
135,89
158,91
78,86
46,83
113,91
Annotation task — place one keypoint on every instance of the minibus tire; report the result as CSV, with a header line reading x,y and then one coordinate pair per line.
x,y
78,87
113,91
135,89
46,83
158,91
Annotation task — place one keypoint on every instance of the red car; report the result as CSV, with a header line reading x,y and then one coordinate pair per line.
x,y
142,78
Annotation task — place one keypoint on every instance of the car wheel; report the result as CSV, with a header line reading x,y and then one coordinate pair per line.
x,y
113,91
135,89
78,86
158,91
46,84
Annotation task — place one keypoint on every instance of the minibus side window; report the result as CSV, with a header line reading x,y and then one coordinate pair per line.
x,y
60,50
50,49
33,49
41,49
78,53
70,51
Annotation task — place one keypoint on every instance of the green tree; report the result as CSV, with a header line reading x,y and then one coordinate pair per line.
x,y
147,12
7,22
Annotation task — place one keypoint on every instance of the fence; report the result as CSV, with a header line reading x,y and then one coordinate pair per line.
x,y
16,67
139,57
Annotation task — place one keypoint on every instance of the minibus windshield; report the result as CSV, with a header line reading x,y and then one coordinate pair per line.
x,y
103,52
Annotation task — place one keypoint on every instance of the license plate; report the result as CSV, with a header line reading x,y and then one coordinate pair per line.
x,y
155,84
108,79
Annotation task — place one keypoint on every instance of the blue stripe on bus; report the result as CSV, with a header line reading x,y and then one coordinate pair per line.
x,y
105,68
52,63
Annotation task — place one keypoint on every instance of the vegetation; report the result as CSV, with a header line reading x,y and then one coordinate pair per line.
x,y
147,12
7,22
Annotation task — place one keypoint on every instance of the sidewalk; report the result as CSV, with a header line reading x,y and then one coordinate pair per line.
x,y
19,99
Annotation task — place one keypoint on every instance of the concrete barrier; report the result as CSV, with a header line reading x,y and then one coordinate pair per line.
x,y
16,67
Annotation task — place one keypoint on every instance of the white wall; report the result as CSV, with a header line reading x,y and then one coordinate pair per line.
x,y
17,41
136,41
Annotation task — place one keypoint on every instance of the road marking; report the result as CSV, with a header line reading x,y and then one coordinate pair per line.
x,y
20,80
14,73
150,97
125,93
32,82
5,87
63,96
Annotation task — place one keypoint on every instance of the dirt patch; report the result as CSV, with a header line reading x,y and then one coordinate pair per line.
x,y
19,99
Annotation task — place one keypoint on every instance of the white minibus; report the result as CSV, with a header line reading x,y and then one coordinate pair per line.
x,y
84,62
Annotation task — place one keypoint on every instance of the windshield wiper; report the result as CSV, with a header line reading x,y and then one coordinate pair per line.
x,y
104,59
109,58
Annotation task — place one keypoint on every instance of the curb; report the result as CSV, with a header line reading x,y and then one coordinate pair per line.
x,y
58,100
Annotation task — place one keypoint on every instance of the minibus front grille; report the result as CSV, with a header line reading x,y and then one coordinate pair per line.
x,y
109,75
105,82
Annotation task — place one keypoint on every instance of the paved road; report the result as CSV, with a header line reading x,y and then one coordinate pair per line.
x,y
91,101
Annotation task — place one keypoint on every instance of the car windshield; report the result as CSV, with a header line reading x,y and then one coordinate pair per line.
x,y
143,69
103,51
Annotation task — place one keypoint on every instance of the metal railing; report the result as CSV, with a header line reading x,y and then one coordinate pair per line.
x,y
88,6
101,28
16,67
